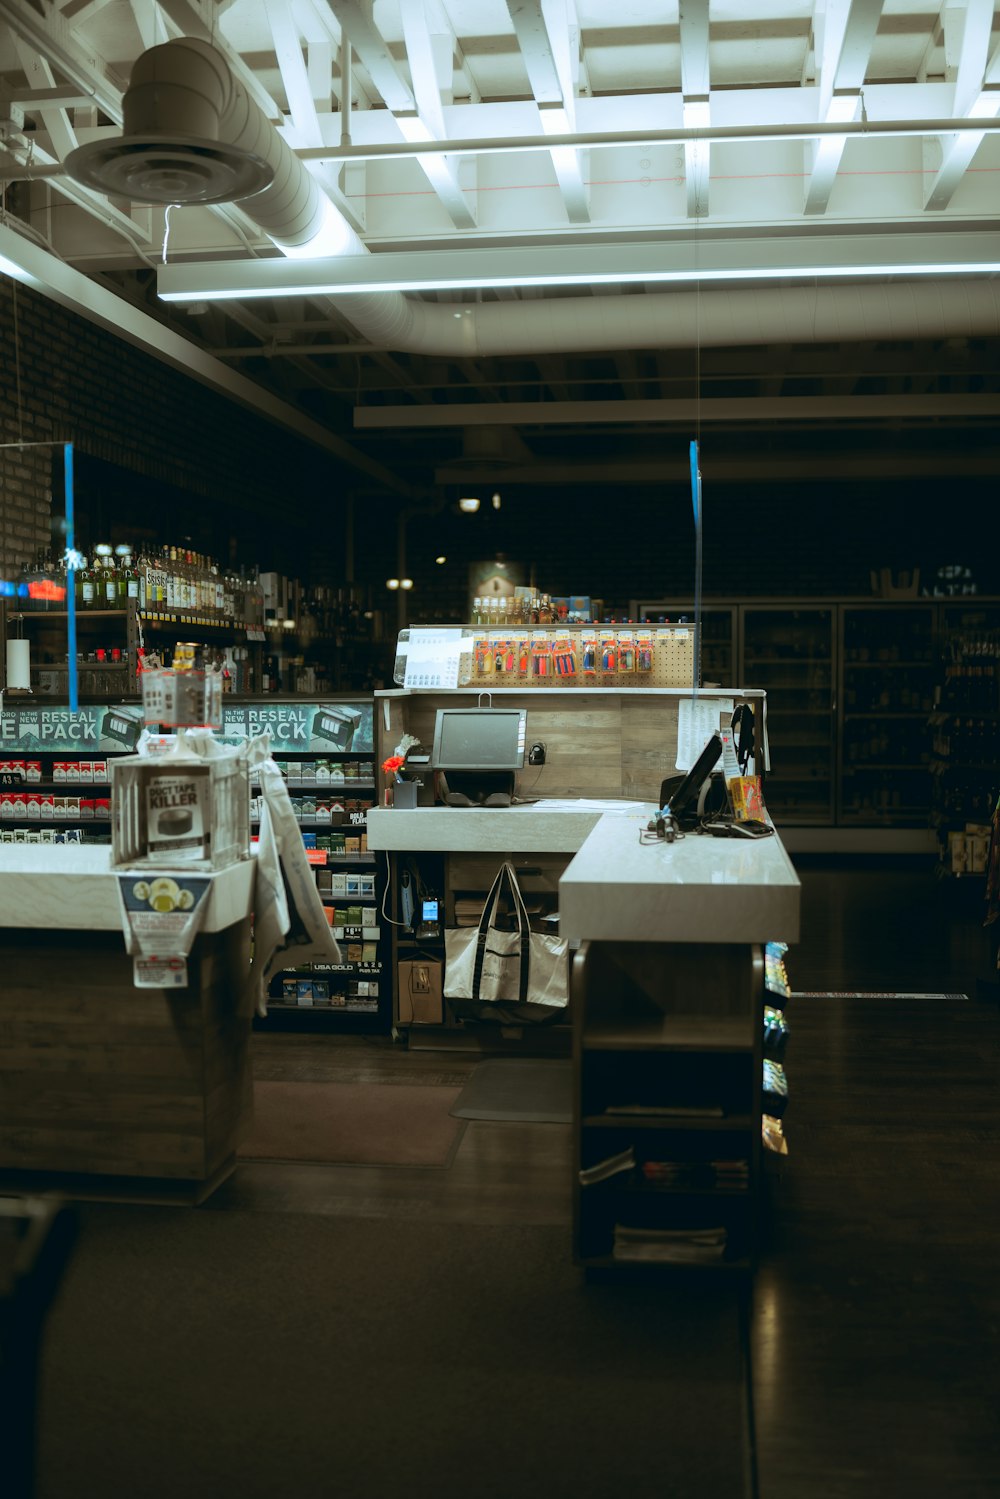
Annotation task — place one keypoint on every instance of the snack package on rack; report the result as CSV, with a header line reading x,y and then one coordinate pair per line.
x,y
644,653
523,652
626,651
505,657
588,648
609,651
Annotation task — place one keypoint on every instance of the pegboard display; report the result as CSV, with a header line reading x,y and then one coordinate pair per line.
x,y
555,656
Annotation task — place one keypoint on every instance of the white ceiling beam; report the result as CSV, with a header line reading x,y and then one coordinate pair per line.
x,y
52,38
848,34
967,35
695,91
56,121
147,21
87,12
744,468
319,67
355,19
430,59
294,73
864,409
543,35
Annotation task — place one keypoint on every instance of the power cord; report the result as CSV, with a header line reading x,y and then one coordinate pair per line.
x,y
662,828
385,891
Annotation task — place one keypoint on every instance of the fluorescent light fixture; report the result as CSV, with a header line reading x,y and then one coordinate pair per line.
x,y
18,272
676,262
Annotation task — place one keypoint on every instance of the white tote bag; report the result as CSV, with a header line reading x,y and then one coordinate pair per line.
x,y
496,967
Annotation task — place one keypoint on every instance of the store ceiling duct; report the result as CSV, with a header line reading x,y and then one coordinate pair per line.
x,y
192,134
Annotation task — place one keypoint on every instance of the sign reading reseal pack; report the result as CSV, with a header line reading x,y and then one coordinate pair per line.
x,y
161,915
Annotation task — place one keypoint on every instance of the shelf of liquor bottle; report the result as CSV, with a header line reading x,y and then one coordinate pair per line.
x,y
941,714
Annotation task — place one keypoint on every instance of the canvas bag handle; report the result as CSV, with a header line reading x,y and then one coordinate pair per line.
x,y
505,876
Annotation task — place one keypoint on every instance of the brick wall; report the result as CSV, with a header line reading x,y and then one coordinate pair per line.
x,y
132,418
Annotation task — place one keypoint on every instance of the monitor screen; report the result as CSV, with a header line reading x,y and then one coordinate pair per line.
x,y
683,801
479,739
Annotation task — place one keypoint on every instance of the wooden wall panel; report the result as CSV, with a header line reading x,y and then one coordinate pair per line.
x,y
597,744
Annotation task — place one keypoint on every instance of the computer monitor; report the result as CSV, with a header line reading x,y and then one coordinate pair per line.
x,y
685,799
479,739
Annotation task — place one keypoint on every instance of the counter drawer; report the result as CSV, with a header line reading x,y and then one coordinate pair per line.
x,y
535,872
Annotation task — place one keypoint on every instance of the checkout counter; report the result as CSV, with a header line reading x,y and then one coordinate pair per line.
x,y
98,1078
667,964
603,745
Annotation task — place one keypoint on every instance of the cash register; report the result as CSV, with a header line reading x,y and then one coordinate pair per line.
x,y
476,754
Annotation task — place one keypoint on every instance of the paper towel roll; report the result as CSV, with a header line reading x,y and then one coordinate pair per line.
x,y
19,665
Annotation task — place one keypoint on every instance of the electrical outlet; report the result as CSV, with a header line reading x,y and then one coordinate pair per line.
x,y
536,754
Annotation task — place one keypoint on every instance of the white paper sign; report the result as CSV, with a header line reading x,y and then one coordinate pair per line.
x,y
432,658
697,720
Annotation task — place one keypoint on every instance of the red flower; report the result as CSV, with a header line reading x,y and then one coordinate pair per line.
x,y
392,764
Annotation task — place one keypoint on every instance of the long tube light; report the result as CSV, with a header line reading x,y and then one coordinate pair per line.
x,y
752,259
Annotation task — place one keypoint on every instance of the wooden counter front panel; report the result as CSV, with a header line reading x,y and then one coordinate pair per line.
x,y
102,1078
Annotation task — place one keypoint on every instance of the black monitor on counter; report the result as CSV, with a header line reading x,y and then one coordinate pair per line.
x,y
685,799
475,753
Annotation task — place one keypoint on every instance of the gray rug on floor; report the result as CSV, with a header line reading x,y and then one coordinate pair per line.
x,y
529,1090
238,1355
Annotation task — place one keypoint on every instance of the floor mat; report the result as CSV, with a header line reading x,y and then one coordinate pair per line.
x,y
531,1090
353,1124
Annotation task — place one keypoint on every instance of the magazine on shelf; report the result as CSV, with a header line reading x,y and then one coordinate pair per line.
x,y
614,1164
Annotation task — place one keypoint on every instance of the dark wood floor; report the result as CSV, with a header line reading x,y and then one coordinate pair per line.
x,y
876,1307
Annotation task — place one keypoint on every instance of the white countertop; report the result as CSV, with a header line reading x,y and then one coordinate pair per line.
x,y
699,889
478,830
66,887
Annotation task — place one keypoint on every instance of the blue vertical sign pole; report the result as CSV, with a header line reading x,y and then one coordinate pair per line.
x,y
696,502
70,577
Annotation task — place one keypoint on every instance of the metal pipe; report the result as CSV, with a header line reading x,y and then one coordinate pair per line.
x,y
605,140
